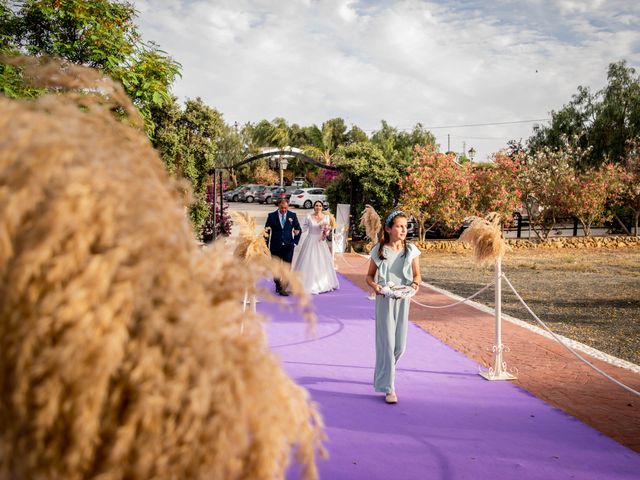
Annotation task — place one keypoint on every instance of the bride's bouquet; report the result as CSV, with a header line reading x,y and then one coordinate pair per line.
x,y
326,232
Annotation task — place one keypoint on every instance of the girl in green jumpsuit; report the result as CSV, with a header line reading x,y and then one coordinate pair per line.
x,y
395,261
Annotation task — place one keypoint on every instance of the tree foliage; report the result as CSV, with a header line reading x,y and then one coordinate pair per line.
x,y
366,177
604,121
100,34
544,183
435,189
324,141
494,186
589,193
628,191
263,175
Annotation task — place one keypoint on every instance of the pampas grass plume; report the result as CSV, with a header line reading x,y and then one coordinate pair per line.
x,y
372,224
485,238
333,224
120,356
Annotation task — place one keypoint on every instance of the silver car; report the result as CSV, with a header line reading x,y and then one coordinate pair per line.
x,y
249,192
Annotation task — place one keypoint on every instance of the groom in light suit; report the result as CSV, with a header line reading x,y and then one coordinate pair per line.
x,y
285,235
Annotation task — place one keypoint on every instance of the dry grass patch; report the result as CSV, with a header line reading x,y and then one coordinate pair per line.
x,y
590,295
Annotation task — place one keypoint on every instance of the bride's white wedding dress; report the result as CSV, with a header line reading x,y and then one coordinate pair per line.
x,y
312,259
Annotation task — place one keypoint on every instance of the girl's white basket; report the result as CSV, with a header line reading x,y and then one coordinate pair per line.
x,y
392,290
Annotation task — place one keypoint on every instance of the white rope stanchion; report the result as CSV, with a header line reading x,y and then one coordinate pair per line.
x,y
251,301
576,354
244,309
499,369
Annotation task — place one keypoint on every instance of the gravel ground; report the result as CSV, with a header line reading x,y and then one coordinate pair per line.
x,y
589,295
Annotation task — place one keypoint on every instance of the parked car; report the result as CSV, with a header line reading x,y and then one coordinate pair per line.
x,y
306,197
298,182
248,193
264,196
232,195
282,192
412,228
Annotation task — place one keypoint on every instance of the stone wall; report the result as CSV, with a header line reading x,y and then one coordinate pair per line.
x,y
553,243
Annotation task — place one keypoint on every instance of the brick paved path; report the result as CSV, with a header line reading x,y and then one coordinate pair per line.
x,y
544,367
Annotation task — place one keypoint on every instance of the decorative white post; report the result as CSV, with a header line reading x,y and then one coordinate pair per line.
x,y
252,301
499,369
333,248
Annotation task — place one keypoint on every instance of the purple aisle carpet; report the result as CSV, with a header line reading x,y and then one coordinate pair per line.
x,y
449,423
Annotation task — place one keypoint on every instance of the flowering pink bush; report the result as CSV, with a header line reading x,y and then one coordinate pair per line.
x,y
435,189
223,219
325,177
494,186
589,192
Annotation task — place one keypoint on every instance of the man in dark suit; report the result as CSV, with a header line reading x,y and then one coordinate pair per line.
x,y
285,235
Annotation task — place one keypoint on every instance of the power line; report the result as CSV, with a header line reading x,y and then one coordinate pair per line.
x,y
477,138
490,124
473,124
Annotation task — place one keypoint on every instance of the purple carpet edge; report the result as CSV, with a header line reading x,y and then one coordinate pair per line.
x,y
450,423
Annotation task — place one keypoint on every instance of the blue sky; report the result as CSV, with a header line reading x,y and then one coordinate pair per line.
x,y
440,63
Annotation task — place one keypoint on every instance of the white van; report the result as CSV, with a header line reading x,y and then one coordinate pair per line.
x,y
298,182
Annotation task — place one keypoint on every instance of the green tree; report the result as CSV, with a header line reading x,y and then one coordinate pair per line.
x,y
366,175
604,121
398,146
100,34
199,127
11,83
233,144
356,135
324,141
271,134
618,116
193,143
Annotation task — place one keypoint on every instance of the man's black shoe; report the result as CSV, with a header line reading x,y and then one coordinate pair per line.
x,y
283,293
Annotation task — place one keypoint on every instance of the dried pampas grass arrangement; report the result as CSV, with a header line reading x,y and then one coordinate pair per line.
x,y
485,238
372,224
252,250
333,224
120,356
250,244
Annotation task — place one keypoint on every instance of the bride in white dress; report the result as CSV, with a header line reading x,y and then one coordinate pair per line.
x,y
313,259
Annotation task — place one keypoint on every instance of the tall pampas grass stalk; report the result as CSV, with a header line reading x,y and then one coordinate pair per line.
x,y
372,224
119,350
485,238
250,244
333,224
251,248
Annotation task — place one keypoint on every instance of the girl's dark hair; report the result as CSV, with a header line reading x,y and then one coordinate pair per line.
x,y
320,202
386,238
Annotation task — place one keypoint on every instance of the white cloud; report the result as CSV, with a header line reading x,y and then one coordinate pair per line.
x,y
408,61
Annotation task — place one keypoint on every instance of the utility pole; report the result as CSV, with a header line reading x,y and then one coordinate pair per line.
x,y
448,143
464,149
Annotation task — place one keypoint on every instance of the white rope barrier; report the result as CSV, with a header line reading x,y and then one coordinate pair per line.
x,y
556,338
351,264
458,302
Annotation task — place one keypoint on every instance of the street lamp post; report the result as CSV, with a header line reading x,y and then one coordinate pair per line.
x,y
283,163
472,153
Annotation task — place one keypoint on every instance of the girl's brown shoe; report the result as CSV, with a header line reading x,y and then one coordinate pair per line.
x,y
391,398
